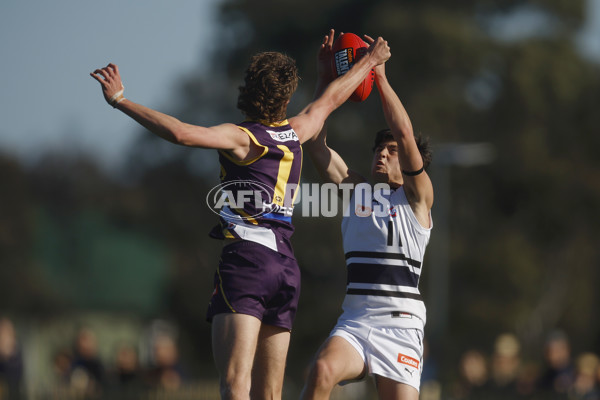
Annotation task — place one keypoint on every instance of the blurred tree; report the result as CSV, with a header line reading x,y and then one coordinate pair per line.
x,y
21,289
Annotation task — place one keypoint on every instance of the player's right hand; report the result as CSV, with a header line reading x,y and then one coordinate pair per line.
x,y
110,79
379,69
379,49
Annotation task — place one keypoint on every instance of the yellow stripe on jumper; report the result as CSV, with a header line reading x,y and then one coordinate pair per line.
x,y
299,176
245,215
285,167
227,234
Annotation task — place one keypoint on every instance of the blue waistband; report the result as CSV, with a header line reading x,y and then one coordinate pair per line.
x,y
276,216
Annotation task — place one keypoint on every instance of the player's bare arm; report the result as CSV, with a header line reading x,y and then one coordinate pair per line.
x,y
417,186
330,166
328,163
310,121
225,136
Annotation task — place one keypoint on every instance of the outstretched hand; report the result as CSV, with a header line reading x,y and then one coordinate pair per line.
x,y
324,59
112,86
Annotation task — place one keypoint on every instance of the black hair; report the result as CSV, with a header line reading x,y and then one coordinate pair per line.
x,y
385,135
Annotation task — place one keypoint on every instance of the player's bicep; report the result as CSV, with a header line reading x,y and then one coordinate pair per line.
x,y
330,165
222,137
309,122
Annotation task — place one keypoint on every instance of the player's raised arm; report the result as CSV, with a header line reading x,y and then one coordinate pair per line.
x,y
224,136
328,163
417,184
309,122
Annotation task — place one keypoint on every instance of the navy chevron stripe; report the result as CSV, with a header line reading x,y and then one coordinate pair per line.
x,y
384,293
382,274
388,256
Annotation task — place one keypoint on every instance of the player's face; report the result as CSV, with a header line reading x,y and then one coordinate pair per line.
x,y
386,165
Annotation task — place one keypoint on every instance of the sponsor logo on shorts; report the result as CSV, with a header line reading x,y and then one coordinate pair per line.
x,y
408,360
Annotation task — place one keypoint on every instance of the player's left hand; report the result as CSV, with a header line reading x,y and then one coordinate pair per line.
x,y
324,58
112,86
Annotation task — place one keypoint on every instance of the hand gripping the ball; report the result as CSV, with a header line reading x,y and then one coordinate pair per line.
x,y
112,86
379,69
379,50
347,49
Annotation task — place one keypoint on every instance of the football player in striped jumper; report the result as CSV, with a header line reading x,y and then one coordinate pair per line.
x,y
385,231
257,282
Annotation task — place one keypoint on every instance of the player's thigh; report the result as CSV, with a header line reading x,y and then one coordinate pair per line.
x,y
234,338
270,359
340,360
389,389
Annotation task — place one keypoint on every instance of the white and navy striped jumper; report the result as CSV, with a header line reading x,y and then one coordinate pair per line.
x,y
384,246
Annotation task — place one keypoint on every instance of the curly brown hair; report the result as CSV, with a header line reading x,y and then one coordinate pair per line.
x,y
270,81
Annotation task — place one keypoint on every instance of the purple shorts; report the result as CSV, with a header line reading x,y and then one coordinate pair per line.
x,y
255,280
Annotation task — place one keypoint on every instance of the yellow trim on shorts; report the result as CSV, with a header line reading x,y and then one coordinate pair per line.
x,y
223,291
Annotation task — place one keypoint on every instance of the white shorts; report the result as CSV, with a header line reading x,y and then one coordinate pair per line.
x,y
394,353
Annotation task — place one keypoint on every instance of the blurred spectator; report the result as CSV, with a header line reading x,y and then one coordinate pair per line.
x,y
474,376
527,379
126,377
127,365
61,365
11,361
430,367
559,373
585,386
506,362
431,389
166,372
598,377
87,372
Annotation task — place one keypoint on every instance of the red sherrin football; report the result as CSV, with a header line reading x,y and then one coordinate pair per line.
x,y
347,49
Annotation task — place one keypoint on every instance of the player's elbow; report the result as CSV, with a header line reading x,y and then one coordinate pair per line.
x,y
183,135
178,136
403,131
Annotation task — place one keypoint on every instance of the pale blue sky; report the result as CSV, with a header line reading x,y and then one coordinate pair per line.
x,y
48,100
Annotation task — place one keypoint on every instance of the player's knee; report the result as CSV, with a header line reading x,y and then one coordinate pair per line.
x,y
323,374
265,393
235,387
